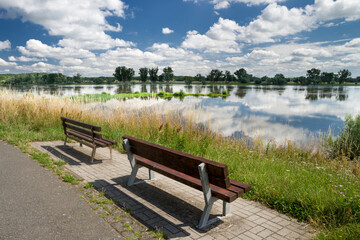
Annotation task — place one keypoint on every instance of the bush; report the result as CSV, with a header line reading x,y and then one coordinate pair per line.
x,y
160,94
224,92
182,93
347,144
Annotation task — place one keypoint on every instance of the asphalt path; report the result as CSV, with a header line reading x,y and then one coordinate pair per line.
x,y
35,204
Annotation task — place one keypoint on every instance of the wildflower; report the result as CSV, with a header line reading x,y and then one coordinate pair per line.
x,y
341,192
340,186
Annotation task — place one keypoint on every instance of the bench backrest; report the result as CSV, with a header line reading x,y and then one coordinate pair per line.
x,y
183,162
85,128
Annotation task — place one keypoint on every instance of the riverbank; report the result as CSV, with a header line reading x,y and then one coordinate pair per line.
x,y
302,183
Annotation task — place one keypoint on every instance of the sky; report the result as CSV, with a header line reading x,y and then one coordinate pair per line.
x,y
93,37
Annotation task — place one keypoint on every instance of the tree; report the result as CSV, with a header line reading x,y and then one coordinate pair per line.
x,y
242,75
215,75
343,75
327,77
188,80
313,75
153,74
229,77
123,74
279,79
77,78
143,74
168,74
200,78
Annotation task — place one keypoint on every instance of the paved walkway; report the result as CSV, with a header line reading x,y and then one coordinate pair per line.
x,y
169,205
34,204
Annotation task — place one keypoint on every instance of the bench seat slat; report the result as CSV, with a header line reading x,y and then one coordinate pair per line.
x,y
82,130
87,138
218,192
244,186
102,139
82,124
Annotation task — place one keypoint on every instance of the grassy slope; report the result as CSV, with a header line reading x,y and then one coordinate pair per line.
x,y
308,187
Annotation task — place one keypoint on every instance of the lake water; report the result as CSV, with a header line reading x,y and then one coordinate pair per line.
x,y
295,113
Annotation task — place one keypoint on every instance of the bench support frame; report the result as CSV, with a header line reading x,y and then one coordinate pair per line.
x,y
135,167
209,200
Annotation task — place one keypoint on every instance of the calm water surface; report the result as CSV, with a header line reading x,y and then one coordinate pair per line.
x,y
296,113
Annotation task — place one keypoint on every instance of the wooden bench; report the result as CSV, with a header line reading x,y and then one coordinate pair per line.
x,y
209,176
86,134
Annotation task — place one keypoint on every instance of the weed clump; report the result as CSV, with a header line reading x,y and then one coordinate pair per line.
x,y
347,144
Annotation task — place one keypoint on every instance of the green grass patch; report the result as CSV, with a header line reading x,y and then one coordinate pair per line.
x,y
70,179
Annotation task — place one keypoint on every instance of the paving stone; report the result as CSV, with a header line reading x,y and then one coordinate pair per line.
x,y
257,229
252,236
265,233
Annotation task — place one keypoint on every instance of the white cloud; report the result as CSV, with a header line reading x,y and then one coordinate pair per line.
x,y
81,23
4,63
221,37
325,10
277,21
5,45
25,59
36,48
167,31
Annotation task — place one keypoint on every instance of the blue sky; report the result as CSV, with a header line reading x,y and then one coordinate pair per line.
x,y
93,37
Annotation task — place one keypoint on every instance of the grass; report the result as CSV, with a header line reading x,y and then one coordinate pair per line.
x,y
103,97
303,183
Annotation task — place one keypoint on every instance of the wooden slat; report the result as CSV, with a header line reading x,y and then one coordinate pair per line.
x,y
82,130
82,124
86,138
239,191
216,191
103,140
244,186
180,161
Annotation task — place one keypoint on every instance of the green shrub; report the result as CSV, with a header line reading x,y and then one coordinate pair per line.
x,y
182,93
224,92
347,144
160,94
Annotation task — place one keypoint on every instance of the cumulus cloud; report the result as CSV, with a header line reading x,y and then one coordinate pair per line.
x,y
5,45
221,37
81,23
167,31
4,63
25,59
36,48
325,10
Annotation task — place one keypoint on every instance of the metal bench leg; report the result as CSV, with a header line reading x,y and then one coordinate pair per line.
x,y
209,200
226,208
133,175
206,213
110,152
93,154
151,175
131,159
65,140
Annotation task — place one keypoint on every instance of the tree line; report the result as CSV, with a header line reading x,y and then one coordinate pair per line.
x,y
313,76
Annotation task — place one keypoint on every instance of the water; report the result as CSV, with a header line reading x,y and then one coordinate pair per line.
x,y
296,113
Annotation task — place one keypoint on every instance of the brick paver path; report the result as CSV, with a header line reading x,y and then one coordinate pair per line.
x,y
169,205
